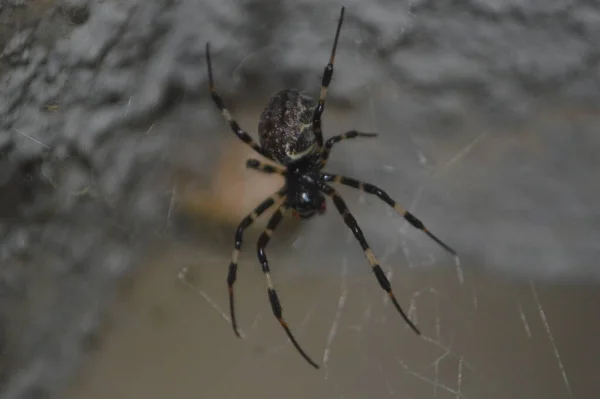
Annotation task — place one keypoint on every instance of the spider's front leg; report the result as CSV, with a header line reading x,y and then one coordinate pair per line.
x,y
245,223
371,189
263,240
336,139
353,225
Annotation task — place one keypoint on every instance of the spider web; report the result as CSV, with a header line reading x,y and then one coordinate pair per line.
x,y
490,329
495,323
479,330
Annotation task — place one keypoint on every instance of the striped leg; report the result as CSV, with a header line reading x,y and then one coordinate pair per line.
x,y
263,240
353,225
336,139
371,189
327,74
245,137
264,167
247,221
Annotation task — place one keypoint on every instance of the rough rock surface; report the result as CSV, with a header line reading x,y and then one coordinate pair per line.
x,y
93,95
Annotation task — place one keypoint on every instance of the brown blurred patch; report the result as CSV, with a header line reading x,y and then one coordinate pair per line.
x,y
233,190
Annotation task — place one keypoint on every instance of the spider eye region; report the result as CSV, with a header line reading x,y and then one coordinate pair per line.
x,y
305,199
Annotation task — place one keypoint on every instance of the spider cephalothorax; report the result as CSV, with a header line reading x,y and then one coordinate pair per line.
x,y
290,135
302,181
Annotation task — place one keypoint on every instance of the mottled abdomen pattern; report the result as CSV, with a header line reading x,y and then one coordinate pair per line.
x,y
285,126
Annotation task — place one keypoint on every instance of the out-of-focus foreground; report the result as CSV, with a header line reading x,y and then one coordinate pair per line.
x,y
121,187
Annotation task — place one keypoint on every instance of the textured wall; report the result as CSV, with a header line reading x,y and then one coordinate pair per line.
x,y
487,112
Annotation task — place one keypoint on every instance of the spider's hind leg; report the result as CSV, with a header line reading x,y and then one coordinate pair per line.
x,y
245,137
371,189
327,75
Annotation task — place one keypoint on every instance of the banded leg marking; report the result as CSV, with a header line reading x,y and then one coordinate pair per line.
x,y
379,274
327,75
264,167
336,139
263,240
371,189
245,137
245,223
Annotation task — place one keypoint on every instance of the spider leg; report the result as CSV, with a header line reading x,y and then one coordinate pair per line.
x,y
336,139
263,240
245,137
327,74
353,225
264,167
371,189
246,222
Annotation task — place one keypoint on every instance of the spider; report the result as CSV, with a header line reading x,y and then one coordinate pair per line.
x,y
290,135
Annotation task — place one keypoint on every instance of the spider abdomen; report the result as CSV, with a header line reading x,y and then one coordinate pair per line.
x,y
285,128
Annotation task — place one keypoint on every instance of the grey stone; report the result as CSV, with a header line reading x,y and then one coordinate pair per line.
x,y
83,183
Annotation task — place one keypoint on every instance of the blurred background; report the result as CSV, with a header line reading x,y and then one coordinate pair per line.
x,y
121,187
